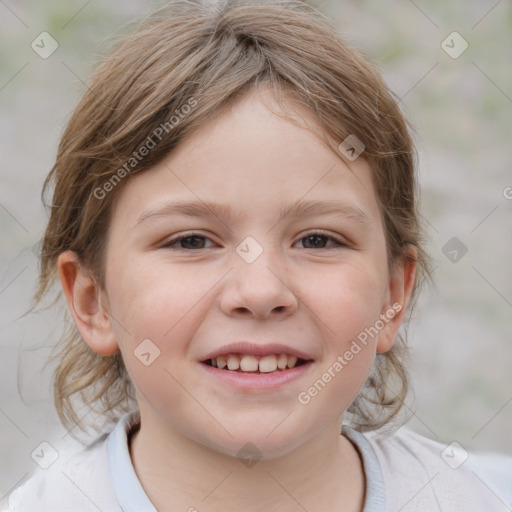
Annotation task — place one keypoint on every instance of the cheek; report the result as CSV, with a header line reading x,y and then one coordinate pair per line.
x,y
150,300
155,312
347,304
158,320
345,301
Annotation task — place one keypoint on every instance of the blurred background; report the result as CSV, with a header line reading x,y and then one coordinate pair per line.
x,y
456,89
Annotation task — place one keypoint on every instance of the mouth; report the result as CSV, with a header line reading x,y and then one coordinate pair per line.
x,y
256,365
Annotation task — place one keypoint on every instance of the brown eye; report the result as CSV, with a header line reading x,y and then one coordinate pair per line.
x,y
319,241
187,242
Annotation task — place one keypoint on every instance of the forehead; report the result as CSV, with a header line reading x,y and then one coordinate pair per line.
x,y
254,162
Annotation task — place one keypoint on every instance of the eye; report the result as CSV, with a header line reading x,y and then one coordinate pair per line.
x,y
187,241
317,240
191,241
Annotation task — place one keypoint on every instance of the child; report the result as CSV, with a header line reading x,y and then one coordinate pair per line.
x,y
235,227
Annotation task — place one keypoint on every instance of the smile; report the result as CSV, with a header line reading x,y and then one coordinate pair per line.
x,y
248,363
261,374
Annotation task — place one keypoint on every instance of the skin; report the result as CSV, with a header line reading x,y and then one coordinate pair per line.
x,y
189,301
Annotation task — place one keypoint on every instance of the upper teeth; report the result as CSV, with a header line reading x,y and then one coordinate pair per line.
x,y
250,363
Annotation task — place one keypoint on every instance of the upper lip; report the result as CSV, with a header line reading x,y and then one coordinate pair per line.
x,y
256,349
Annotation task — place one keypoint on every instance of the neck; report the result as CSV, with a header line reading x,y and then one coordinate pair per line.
x,y
175,470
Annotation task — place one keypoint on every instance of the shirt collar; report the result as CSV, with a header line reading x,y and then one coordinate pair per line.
x,y
375,495
129,491
132,498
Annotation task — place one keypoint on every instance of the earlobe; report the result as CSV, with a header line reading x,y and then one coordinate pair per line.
x,y
401,284
84,299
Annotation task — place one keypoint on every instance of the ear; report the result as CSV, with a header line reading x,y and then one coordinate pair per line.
x,y
401,283
87,304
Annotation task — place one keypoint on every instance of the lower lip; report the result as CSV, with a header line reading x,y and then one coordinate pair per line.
x,y
260,381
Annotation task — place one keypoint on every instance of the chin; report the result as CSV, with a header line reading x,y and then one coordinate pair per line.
x,y
257,446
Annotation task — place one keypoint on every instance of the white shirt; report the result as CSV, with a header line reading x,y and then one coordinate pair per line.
x,y
404,471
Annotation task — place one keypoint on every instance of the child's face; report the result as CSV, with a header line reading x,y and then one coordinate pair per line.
x,y
190,299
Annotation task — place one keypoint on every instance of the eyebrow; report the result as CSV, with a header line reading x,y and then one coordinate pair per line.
x,y
223,211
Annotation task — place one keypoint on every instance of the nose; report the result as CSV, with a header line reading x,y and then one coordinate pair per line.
x,y
260,289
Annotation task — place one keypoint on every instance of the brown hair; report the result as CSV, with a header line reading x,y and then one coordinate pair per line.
x,y
187,53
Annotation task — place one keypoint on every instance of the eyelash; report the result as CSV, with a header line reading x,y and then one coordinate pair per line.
x,y
171,244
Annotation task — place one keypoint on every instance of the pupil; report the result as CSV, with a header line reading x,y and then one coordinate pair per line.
x,y
197,239
315,238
